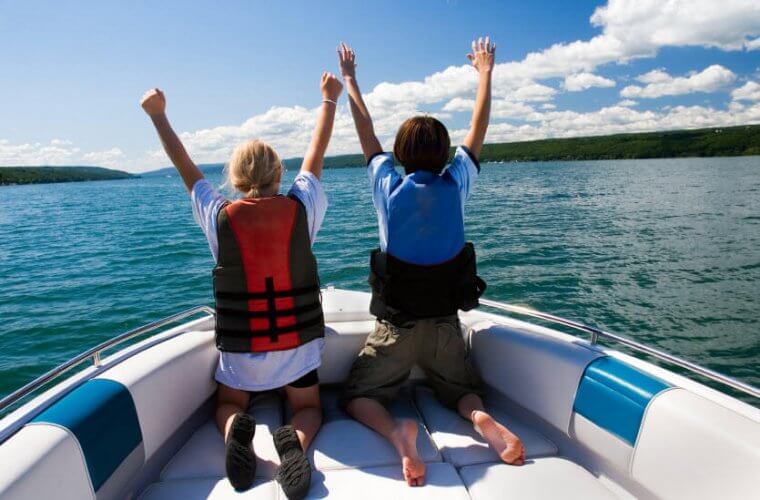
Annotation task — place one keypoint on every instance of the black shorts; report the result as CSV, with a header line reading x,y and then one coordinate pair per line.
x,y
307,380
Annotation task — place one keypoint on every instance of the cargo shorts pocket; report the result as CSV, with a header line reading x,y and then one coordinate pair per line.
x,y
447,364
383,364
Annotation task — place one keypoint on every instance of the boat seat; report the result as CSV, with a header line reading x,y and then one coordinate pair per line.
x,y
210,488
370,483
345,443
202,456
381,483
460,445
549,477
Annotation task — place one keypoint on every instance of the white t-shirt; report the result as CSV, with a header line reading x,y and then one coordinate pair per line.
x,y
262,371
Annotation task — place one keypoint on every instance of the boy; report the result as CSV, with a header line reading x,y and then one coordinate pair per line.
x,y
423,272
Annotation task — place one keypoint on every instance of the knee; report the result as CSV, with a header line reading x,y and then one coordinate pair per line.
x,y
226,396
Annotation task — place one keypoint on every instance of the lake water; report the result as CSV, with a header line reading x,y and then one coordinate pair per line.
x,y
664,251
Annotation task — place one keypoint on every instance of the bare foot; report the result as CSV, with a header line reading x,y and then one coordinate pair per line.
x,y
507,445
405,441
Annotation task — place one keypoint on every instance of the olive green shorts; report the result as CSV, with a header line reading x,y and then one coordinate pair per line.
x,y
390,352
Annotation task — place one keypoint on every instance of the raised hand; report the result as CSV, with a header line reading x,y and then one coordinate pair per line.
x,y
153,102
483,54
331,86
347,58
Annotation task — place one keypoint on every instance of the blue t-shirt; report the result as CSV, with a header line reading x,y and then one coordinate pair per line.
x,y
421,215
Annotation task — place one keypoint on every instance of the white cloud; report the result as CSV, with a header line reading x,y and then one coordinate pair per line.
x,y
750,91
583,81
659,83
56,152
105,158
753,44
627,103
619,119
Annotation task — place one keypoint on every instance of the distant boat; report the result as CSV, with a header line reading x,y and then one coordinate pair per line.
x,y
596,422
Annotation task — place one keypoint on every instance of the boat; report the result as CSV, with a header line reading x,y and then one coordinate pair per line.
x,y
136,420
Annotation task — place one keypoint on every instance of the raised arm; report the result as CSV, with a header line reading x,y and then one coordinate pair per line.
x,y
314,158
154,103
363,122
482,58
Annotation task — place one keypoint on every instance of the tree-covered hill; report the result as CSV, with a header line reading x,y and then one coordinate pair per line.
x,y
40,175
743,140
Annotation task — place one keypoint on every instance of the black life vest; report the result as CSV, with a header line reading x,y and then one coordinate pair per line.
x,y
402,291
265,282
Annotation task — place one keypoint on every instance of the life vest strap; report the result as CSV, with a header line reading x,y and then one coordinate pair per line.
x,y
272,332
240,313
267,294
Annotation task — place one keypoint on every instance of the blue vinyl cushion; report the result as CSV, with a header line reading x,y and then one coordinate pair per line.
x,y
615,395
102,415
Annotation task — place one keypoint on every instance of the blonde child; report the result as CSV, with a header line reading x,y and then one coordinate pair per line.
x,y
269,325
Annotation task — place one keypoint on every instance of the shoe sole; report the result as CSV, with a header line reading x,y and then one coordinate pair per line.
x,y
240,461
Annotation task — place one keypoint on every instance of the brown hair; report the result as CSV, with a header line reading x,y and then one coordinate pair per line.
x,y
422,143
254,168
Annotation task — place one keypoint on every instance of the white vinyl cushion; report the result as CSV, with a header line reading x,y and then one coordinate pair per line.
x,y
461,445
690,447
601,442
211,489
168,383
543,478
538,370
345,443
43,461
387,483
202,456
343,341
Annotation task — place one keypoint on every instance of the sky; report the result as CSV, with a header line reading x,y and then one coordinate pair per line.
x,y
72,73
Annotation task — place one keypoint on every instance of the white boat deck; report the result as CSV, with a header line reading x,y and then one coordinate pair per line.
x,y
351,461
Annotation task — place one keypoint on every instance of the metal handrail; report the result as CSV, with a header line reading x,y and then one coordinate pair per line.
x,y
95,352
596,333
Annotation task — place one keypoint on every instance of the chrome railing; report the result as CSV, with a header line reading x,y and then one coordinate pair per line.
x,y
595,334
94,354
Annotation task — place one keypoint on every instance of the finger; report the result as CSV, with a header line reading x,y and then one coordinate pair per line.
x,y
488,43
474,46
471,57
480,43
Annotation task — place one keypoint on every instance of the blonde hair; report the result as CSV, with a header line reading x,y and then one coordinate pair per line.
x,y
254,168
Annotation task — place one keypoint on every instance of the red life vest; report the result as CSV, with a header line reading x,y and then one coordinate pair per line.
x,y
266,284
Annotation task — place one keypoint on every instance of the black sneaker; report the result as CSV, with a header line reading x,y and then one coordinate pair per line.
x,y
240,460
294,473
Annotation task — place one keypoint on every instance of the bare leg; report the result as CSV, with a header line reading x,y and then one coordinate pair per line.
x,y
402,434
507,445
307,412
229,402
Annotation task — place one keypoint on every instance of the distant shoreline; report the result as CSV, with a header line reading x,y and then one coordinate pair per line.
x,y
742,140
14,176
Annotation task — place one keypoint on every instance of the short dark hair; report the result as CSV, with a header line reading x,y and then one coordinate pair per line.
x,y
422,143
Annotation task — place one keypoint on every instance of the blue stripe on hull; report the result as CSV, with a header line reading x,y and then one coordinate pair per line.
x,y
615,395
102,415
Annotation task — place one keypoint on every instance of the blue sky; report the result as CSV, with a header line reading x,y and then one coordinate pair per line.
x,y
73,72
